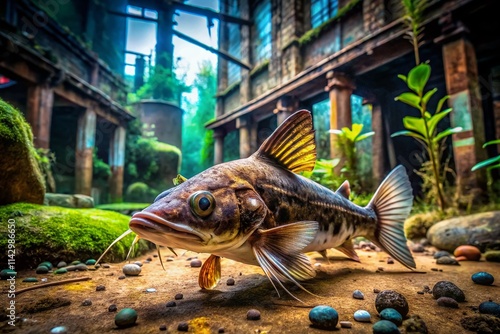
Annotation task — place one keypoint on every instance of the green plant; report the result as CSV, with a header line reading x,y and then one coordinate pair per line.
x,y
100,169
324,173
424,129
489,164
413,18
346,143
46,159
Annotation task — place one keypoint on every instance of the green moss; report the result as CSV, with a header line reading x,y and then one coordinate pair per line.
x,y
492,256
292,41
259,68
45,233
13,126
313,34
229,89
140,192
166,148
121,207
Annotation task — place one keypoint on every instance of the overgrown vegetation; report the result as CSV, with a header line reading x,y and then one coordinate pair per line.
x,y
490,164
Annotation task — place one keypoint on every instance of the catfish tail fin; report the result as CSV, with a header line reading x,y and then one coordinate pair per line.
x,y
392,204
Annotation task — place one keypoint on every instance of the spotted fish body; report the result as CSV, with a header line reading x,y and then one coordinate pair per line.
x,y
259,211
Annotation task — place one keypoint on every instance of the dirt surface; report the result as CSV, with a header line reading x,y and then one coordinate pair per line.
x,y
226,306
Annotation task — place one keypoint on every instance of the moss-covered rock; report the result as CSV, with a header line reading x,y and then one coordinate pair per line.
x,y
492,255
417,225
54,234
69,201
169,161
21,179
140,192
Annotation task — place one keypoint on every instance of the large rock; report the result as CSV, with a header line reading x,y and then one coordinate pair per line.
x,y
69,201
481,230
21,179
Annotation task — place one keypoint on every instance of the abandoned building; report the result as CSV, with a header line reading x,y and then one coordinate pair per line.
x,y
303,53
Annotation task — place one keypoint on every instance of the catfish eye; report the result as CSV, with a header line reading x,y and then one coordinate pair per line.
x,y
202,203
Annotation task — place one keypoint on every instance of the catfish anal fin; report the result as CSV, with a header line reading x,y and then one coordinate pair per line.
x,y
210,273
348,249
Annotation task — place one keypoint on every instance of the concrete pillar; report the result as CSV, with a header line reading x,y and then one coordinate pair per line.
x,y
85,142
39,113
245,47
219,135
243,125
223,64
117,163
462,84
285,106
254,136
340,88
495,80
289,26
378,142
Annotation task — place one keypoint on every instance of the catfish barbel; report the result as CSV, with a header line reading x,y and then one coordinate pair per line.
x,y
258,211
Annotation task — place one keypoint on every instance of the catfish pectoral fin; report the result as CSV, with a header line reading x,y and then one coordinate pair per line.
x,y
348,249
324,254
210,273
278,252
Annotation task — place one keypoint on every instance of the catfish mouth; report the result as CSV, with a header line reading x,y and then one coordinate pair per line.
x,y
154,228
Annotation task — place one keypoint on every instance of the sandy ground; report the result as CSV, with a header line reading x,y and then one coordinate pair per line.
x,y
226,306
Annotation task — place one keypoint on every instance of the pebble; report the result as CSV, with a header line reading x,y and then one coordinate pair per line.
x,y
82,267
71,268
100,288
195,263
112,308
61,271
490,308
163,327
46,264
150,258
415,324
171,304
358,294
385,327
74,263
7,273
87,302
230,281
30,279
126,317
446,260
183,327
139,263
179,296
43,280
150,290
392,299
155,255
376,290
492,256
170,259
441,253
472,253
447,302
392,315
42,270
61,264
390,261
221,330
418,248
345,324
105,265
253,314
362,316
324,317
59,330
131,269
483,278
90,262
448,289
122,277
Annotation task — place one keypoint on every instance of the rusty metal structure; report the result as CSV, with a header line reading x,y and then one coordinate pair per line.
x,y
305,51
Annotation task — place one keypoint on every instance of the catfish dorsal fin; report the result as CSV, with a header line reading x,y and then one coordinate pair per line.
x,y
291,145
344,190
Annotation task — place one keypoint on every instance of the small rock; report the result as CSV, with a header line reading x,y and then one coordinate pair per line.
x,y
441,253
418,248
125,318
230,281
362,316
59,330
392,299
112,308
46,264
376,290
61,271
30,279
358,294
434,269
150,258
7,273
42,270
483,278
131,269
87,302
446,260
61,264
191,258
100,288
385,327
490,308
183,327
74,263
481,323
253,314
221,330
470,252
392,315
122,277
150,290
447,302
448,289
345,324
163,327
155,255
71,268
170,259
195,263
420,292
171,304
90,262
324,317
105,265
390,261
82,267
179,296
492,255
43,280
139,263
415,324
